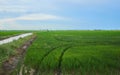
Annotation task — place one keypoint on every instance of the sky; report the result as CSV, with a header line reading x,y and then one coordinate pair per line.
x,y
59,14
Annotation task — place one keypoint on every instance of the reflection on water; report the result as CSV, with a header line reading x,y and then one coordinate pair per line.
x,y
14,38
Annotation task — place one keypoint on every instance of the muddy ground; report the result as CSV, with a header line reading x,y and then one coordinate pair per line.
x,y
11,63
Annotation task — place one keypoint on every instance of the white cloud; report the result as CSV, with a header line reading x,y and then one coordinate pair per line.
x,y
13,8
26,5
31,17
39,17
40,5
15,26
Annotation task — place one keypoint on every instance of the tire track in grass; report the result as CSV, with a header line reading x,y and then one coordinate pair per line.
x,y
59,69
45,55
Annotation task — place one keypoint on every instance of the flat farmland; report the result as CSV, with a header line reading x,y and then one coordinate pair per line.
x,y
7,34
73,53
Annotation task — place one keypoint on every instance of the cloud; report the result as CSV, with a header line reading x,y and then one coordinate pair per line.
x,y
86,11
11,23
13,8
40,5
39,17
24,6
33,17
14,26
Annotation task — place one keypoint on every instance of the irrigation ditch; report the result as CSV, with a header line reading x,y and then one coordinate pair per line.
x,y
11,39
11,63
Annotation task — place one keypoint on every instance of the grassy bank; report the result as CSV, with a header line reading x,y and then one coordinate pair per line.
x,y
6,34
10,49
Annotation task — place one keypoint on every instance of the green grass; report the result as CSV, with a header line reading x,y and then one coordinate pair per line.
x,y
90,53
6,34
9,49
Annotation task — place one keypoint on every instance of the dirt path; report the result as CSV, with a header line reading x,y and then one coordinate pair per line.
x,y
9,65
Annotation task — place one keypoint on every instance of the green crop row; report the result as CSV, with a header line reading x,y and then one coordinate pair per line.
x,y
74,53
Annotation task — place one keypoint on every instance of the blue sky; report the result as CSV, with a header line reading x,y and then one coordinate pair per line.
x,y
59,14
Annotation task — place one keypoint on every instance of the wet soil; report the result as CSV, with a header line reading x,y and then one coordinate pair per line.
x,y
11,63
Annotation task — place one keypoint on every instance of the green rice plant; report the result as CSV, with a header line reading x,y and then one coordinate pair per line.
x,y
92,53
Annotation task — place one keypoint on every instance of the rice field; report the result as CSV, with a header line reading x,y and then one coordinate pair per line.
x,y
73,53
6,34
